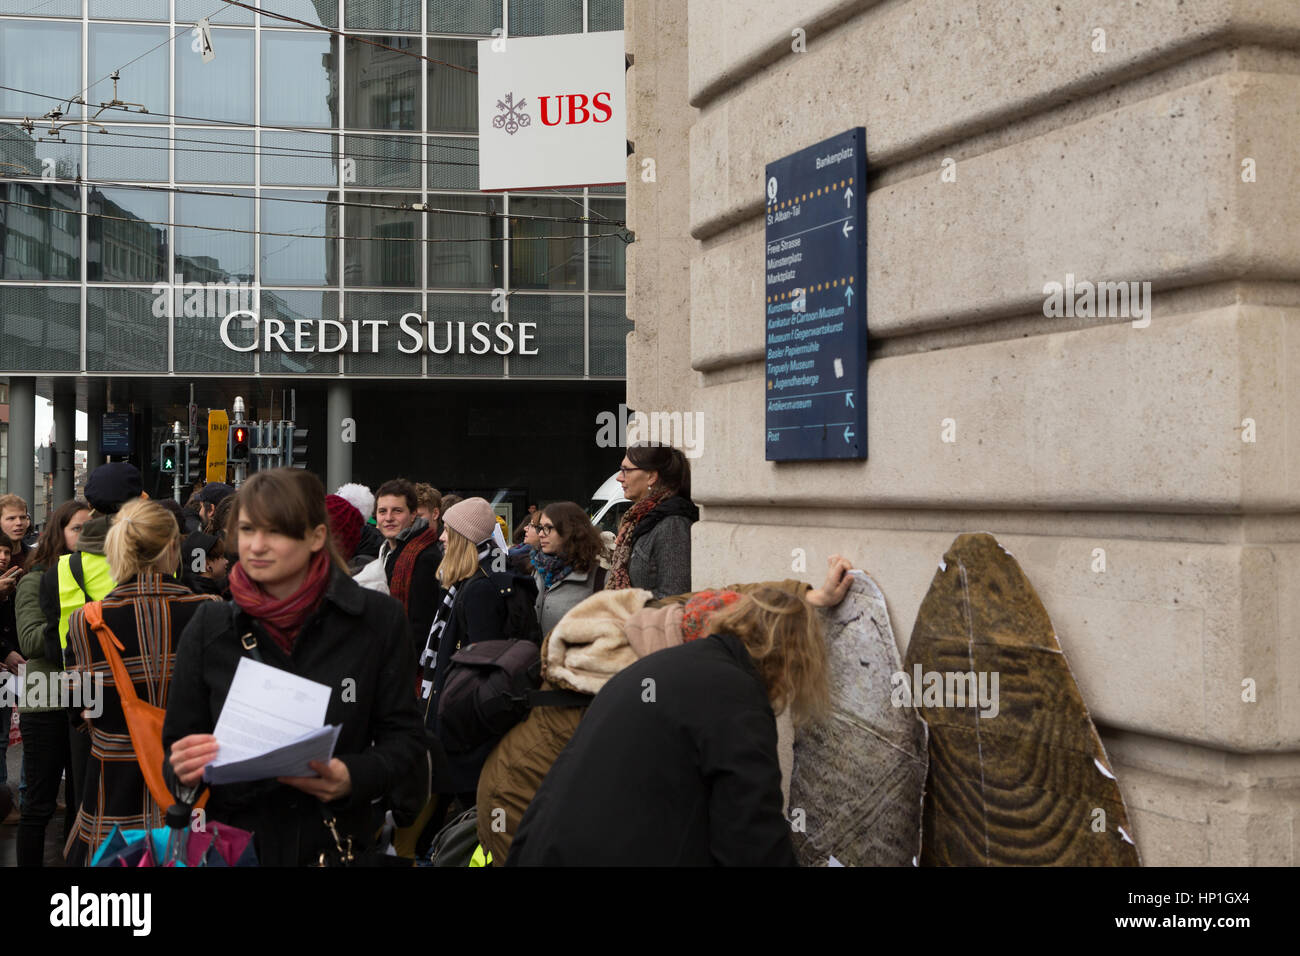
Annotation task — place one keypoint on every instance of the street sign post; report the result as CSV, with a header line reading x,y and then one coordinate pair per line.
x,y
816,303
218,429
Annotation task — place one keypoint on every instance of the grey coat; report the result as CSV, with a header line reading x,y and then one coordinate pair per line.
x,y
556,601
661,559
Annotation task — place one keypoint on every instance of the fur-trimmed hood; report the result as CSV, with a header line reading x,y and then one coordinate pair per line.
x,y
589,645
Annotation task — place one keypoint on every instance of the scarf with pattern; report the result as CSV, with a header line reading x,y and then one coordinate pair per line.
x,y
283,618
618,576
400,584
552,567
488,552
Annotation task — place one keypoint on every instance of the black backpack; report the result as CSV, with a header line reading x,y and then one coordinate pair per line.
x,y
490,687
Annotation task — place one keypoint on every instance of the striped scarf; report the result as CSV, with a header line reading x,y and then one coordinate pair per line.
x,y
618,577
487,552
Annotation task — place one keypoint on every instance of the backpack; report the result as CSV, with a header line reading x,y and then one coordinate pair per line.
x,y
490,687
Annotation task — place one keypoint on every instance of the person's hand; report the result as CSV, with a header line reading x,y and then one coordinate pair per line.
x,y
190,755
837,584
12,662
334,780
9,581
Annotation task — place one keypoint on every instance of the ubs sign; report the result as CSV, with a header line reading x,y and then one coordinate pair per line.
x,y
552,111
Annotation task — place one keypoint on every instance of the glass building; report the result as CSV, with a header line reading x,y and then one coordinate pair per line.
x,y
303,175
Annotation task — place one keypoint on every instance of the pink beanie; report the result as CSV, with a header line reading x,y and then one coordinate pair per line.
x,y
473,518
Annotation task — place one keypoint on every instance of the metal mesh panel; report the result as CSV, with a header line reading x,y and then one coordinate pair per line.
x,y
530,18
464,16
125,154
40,329
205,254
126,10
191,11
299,79
604,15
144,82
125,244
22,155
453,93
453,162
197,343
222,90
228,156
318,167
468,309
51,8
545,254
42,242
401,15
392,162
26,63
558,336
608,267
369,259
609,329
288,306
455,264
296,261
383,86
381,305
122,332
322,13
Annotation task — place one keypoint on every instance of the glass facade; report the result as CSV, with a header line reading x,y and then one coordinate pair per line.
x,y
298,174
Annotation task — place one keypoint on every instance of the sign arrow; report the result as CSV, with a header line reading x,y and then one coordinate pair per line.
x,y
848,196
848,228
848,433
848,400
848,294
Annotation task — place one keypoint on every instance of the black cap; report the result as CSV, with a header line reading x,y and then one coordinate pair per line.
x,y
111,486
215,492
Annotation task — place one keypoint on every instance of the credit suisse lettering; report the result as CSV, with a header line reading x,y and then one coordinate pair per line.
x,y
578,112
303,336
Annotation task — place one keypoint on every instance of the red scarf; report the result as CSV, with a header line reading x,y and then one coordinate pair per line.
x,y
282,617
400,586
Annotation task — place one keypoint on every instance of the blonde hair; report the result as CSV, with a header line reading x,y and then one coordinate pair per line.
x,y
784,637
460,561
142,538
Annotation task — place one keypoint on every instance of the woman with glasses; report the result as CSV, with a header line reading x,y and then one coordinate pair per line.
x,y
653,547
569,562
522,556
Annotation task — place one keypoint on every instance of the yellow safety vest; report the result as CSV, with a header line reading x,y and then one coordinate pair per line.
x,y
99,581
480,858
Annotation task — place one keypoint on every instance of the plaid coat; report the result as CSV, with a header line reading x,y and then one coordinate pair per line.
x,y
148,615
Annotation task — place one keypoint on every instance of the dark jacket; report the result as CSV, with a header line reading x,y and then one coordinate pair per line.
x,y
661,548
356,643
674,764
370,543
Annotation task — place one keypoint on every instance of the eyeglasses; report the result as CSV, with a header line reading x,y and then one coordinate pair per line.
x,y
624,470
544,529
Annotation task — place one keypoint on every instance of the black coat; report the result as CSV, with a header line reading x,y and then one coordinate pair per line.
x,y
370,543
355,634
674,764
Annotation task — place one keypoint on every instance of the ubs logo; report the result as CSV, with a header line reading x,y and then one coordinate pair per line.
x,y
512,116
570,109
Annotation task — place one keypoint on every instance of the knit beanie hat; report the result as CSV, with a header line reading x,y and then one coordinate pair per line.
x,y
473,518
112,485
345,524
359,496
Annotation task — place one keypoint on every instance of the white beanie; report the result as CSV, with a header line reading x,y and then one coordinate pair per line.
x,y
359,497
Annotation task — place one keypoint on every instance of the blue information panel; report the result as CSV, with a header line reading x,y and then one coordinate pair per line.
x,y
816,309
115,434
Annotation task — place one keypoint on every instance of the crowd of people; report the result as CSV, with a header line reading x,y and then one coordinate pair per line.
x,y
558,694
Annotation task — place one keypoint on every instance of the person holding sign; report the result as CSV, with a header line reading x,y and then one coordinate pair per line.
x,y
295,608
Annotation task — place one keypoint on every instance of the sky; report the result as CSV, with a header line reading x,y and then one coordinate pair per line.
x,y
45,422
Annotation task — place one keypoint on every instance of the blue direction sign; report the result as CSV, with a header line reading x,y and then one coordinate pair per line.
x,y
816,308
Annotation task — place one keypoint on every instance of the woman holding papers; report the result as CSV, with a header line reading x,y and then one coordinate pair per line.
x,y
296,608
146,611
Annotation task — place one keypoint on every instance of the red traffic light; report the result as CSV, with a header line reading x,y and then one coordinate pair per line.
x,y
241,435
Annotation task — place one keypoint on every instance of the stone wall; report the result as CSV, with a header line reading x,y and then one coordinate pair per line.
x,y
1072,434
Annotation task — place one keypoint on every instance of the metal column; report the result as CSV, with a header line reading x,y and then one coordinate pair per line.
x,y
338,439
22,440
65,439
95,408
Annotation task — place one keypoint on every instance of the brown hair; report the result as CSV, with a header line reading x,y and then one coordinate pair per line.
x,y
52,544
288,501
671,464
784,637
429,497
12,501
143,537
401,488
582,544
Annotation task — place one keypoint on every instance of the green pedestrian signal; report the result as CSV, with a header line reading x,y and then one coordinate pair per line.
x,y
167,457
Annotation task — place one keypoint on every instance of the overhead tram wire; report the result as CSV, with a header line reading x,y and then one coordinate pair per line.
x,y
288,235
409,207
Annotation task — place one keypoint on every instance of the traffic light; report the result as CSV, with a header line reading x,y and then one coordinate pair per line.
x,y
296,453
194,462
238,444
167,457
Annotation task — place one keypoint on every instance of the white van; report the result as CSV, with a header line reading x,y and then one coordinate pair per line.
x,y
608,505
